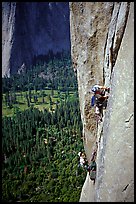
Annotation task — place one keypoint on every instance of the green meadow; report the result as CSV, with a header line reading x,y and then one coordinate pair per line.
x,y
50,101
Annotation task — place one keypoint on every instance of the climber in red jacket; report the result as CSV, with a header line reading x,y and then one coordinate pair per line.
x,y
99,100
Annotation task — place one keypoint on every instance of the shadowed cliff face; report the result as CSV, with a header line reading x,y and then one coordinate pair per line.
x,y
102,48
32,29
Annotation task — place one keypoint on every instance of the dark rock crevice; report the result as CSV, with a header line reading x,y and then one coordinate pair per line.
x,y
120,33
125,187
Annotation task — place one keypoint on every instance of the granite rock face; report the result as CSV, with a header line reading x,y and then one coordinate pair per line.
x,y
8,22
102,48
30,29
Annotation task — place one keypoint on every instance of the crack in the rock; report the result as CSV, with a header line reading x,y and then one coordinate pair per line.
x,y
125,187
119,39
110,54
129,118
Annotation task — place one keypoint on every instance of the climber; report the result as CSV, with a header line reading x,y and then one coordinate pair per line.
x,y
82,161
101,103
92,171
85,161
100,92
99,100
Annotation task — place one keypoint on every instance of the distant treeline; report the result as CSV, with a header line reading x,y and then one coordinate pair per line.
x,y
57,73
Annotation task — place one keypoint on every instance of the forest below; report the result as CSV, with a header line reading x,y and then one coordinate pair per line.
x,y
42,134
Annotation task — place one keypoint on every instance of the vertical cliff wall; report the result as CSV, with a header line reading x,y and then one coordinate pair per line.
x,y
30,29
8,22
102,48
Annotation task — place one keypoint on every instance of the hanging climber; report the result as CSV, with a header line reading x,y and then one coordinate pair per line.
x,y
83,160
